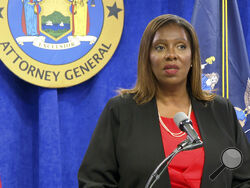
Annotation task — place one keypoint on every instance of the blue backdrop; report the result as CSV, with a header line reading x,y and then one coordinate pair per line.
x,y
44,133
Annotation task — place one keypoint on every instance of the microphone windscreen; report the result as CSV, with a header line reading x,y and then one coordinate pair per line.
x,y
179,117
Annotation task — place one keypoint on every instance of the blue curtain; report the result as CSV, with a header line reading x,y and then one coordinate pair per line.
x,y
44,133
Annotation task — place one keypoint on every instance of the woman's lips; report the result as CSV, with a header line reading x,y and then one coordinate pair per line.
x,y
171,69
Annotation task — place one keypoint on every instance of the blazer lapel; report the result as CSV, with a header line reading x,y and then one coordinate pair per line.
x,y
152,131
207,123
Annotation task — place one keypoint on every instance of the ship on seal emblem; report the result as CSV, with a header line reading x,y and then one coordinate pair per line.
x,y
59,43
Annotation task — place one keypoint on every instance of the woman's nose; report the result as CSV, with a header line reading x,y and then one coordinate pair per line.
x,y
170,54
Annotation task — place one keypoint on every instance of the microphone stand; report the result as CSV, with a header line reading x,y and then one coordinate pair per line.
x,y
183,146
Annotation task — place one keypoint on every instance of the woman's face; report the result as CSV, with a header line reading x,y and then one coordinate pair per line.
x,y
170,56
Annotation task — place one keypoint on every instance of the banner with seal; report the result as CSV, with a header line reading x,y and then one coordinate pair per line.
x,y
59,43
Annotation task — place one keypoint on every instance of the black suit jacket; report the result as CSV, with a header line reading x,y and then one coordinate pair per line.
x,y
126,145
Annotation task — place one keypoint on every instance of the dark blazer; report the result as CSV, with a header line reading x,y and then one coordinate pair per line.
x,y
126,145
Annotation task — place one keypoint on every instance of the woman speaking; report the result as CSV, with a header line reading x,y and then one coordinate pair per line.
x,y
136,130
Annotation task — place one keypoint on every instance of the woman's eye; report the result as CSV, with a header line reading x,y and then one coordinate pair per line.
x,y
159,48
182,46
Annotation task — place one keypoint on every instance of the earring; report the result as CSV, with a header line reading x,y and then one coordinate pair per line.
x,y
191,65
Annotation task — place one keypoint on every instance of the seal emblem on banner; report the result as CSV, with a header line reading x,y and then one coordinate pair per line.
x,y
59,43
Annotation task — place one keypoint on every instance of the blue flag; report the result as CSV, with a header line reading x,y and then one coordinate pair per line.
x,y
223,53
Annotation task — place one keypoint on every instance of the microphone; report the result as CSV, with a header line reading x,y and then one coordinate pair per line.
x,y
185,124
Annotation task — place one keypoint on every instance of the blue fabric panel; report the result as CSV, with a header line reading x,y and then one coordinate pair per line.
x,y
18,130
49,139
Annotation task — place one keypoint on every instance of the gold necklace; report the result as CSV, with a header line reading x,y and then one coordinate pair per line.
x,y
179,134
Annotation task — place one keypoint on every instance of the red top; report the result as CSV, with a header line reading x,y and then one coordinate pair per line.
x,y
185,170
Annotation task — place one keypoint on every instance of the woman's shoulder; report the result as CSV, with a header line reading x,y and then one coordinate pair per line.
x,y
125,99
220,100
217,99
219,103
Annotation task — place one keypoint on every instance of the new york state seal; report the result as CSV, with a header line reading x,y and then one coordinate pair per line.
x,y
59,43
